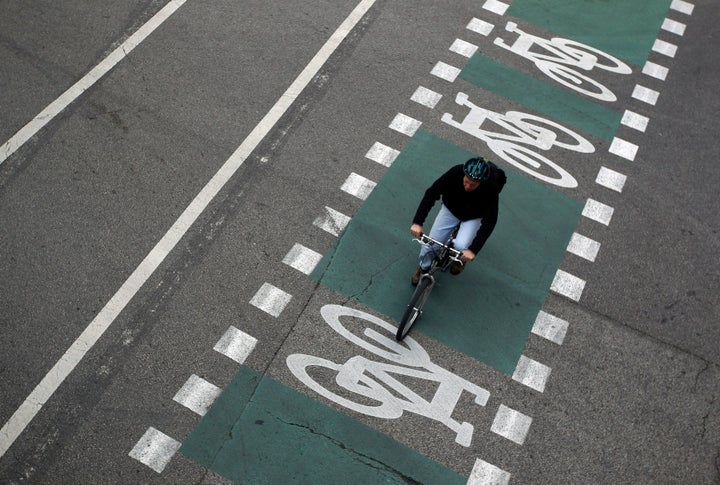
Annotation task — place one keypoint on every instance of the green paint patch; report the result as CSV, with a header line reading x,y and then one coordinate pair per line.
x,y
260,431
557,103
623,28
487,312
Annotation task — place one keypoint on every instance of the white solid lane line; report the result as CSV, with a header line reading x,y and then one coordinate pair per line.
x,y
50,383
62,102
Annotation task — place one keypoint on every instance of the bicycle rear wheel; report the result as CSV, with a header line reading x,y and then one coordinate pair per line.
x,y
414,308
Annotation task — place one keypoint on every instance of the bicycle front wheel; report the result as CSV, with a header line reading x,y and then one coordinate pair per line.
x,y
414,308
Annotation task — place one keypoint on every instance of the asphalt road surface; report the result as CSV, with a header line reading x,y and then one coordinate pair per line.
x,y
205,247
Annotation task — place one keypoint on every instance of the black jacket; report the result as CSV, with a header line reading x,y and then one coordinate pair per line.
x,y
479,203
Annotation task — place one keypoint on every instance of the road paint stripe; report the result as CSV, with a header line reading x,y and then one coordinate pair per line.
x,y
86,82
531,373
568,285
611,179
197,395
484,473
655,70
682,6
495,6
59,372
445,71
155,449
382,154
674,27
646,95
236,344
405,124
480,26
550,327
511,424
271,299
302,259
635,121
664,48
623,149
426,97
583,246
465,49
358,186
597,211
332,221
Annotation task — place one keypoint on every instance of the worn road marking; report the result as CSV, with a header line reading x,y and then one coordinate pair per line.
x,y
236,344
550,327
302,259
155,449
597,211
332,221
511,424
197,394
382,154
484,473
584,247
405,124
271,299
358,186
646,95
623,149
465,49
480,26
568,285
531,373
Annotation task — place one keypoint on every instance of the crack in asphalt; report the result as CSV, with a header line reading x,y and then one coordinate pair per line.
x,y
356,455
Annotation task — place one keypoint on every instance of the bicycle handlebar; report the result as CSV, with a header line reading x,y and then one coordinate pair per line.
x,y
454,253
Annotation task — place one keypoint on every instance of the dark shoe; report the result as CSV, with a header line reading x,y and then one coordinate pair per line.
x,y
416,276
456,268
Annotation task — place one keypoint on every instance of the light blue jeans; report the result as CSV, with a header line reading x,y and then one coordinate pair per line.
x,y
441,230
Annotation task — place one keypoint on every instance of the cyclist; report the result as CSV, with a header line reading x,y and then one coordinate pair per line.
x,y
469,194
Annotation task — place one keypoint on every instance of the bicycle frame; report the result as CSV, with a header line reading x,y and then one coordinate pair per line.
x,y
444,255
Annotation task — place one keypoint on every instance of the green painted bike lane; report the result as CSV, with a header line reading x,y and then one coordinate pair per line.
x,y
261,431
487,312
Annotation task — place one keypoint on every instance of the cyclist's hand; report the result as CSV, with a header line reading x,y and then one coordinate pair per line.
x,y
416,230
466,256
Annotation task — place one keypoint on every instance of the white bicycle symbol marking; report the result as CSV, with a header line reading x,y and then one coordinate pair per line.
x,y
524,129
380,382
566,55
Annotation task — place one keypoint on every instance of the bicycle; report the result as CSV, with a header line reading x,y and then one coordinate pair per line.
x,y
444,255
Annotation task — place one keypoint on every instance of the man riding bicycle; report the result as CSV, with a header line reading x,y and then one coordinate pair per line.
x,y
469,194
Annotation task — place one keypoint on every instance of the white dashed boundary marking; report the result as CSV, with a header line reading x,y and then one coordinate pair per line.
x,y
332,221
382,154
531,373
635,121
302,259
155,449
235,345
484,473
550,327
426,97
511,424
445,71
611,179
271,299
197,395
